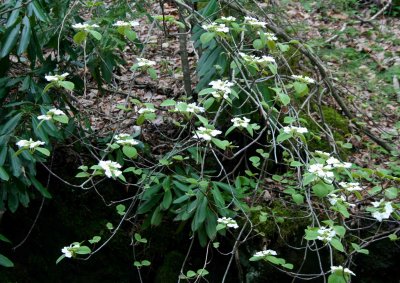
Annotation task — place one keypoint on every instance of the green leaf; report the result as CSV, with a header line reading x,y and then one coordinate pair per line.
x,y
202,272
10,125
340,230
130,34
62,118
335,242
120,209
3,174
4,239
6,262
336,278
206,37
191,274
298,198
129,151
156,217
283,136
283,47
60,258
109,226
322,189
43,150
82,175
95,239
83,250
284,98
167,200
296,164
80,37
300,88
258,44
391,193
14,14
9,42
311,234
221,144
95,34
152,73
288,265
67,85
25,36
39,187
145,263
168,102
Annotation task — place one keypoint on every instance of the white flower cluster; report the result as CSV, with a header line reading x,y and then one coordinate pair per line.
x,y
229,222
69,251
143,62
254,22
126,24
125,139
293,129
322,153
241,122
84,26
265,253
385,209
222,88
342,270
29,144
228,19
269,35
258,60
350,187
191,108
56,77
110,168
146,110
337,163
324,172
49,114
206,134
303,79
334,199
214,27
326,234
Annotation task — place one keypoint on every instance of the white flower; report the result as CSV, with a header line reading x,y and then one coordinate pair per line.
x,y
126,24
341,270
69,251
191,108
44,117
142,62
110,168
265,60
293,129
240,122
228,19
303,79
125,139
214,27
337,163
265,253
84,26
350,186
29,144
229,222
322,153
56,78
206,134
334,198
254,22
248,58
223,88
322,171
146,110
55,112
271,36
326,234
384,210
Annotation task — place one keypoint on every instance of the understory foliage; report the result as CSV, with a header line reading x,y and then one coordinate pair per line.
x,y
234,154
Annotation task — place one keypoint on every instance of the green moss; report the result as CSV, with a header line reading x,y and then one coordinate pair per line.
x,y
336,122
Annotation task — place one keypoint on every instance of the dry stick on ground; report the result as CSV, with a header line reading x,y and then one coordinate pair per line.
x,y
326,78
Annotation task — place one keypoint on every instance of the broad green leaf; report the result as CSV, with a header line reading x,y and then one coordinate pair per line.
x,y
129,151
284,98
80,37
5,261
300,88
83,250
9,42
156,217
336,278
4,239
67,85
40,187
168,102
44,151
3,174
95,239
222,144
283,136
14,14
10,125
152,73
145,263
167,200
340,230
62,118
335,242
258,44
95,34
298,198
82,175
391,193
322,189
130,34
206,37
25,36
